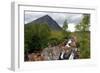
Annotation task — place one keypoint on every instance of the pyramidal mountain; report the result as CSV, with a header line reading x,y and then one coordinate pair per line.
x,y
47,19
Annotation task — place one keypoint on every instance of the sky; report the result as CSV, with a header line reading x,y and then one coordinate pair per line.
x,y
72,18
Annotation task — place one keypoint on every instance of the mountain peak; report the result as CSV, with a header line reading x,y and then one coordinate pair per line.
x,y
51,23
46,16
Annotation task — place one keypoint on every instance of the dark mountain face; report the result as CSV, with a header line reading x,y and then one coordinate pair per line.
x,y
47,19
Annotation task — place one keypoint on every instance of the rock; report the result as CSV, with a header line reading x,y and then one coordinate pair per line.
x,y
51,53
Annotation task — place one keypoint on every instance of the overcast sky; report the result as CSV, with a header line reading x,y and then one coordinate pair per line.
x,y
71,18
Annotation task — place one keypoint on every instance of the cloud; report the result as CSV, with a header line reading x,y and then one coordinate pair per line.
x,y
71,27
76,18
